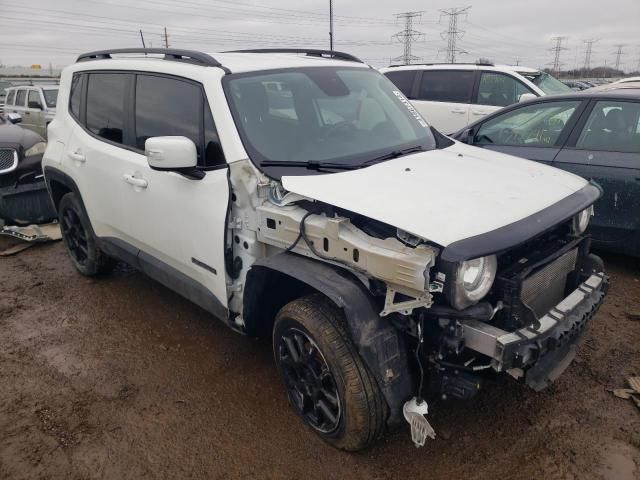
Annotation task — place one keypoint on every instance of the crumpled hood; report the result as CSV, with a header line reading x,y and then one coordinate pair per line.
x,y
443,195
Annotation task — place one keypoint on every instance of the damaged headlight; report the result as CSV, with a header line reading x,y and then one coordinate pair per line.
x,y
581,220
473,281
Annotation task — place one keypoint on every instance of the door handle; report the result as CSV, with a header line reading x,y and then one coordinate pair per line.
x,y
136,182
456,110
77,156
479,112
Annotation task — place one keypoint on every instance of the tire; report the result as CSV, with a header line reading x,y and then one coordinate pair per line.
x,y
315,326
79,239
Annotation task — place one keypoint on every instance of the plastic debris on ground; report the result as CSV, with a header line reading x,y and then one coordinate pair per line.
x,y
632,393
19,238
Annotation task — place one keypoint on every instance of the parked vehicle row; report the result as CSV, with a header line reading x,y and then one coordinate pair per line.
x,y
594,134
35,104
299,195
451,96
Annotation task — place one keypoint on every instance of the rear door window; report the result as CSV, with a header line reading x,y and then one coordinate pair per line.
x,y
76,95
612,126
500,90
106,105
21,96
454,86
403,79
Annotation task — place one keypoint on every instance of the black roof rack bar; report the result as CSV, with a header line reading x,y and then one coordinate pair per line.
x,y
443,63
188,56
307,51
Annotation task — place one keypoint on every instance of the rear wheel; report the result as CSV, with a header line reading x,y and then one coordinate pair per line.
x,y
328,385
79,240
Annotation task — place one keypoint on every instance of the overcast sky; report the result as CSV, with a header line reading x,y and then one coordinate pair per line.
x,y
55,31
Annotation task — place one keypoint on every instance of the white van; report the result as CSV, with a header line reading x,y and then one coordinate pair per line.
x,y
450,96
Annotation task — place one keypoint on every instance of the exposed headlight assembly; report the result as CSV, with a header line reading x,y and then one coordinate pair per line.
x,y
581,220
37,149
473,281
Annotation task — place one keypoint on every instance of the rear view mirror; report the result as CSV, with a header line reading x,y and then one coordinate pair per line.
x,y
35,104
171,153
14,117
526,97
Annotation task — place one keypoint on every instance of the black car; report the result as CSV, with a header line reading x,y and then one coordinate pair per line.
x,y
594,134
23,194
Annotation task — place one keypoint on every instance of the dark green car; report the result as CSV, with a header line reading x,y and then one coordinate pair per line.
x,y
594,134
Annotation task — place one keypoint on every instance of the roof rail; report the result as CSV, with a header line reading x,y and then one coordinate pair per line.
x,y
307,51
173,54
442,63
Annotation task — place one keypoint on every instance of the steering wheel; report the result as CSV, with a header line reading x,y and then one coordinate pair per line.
x,y
343,127
509,137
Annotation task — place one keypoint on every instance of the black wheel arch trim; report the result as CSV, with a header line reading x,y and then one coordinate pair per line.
x,y
518,232
380,345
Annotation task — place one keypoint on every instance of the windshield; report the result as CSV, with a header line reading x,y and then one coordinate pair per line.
x,y
50,96
342,116
547,83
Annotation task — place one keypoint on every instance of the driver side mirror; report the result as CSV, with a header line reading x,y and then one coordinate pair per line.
x,y
14,118
171,153
525,97
468,136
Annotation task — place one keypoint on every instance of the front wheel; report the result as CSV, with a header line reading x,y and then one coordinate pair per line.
x,y
328,385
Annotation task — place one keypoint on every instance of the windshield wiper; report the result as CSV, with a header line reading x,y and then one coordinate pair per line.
x,y
392,155
316,165
310,164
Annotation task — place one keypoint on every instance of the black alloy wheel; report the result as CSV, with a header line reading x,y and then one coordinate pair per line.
x,y
75,236
309,381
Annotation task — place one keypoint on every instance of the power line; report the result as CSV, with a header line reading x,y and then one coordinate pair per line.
x,y
407,36
619,53
453,34
589,52
557,49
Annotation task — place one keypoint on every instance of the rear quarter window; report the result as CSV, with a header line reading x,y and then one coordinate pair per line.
x,y
403,79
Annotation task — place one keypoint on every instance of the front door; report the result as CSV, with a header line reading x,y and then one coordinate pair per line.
x,y
175,220
532,131
35,112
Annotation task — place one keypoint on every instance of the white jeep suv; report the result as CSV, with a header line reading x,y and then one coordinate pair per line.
x,y
452,96
298,195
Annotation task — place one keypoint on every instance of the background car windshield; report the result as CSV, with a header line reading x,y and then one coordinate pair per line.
x,y
50,96
324,114
547,83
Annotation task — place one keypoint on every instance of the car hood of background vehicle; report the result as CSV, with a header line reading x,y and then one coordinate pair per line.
x,y
443,195
13,135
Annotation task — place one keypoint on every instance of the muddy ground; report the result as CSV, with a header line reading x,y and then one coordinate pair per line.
x,y
120,378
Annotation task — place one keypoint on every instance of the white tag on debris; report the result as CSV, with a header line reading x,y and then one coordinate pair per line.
x,y
421,429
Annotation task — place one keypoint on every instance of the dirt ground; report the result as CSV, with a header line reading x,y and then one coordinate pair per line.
x,y
120,378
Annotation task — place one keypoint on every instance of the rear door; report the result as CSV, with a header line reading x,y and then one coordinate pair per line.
x,y
495,91
443,98
19,106
96,153
533,131
605,147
